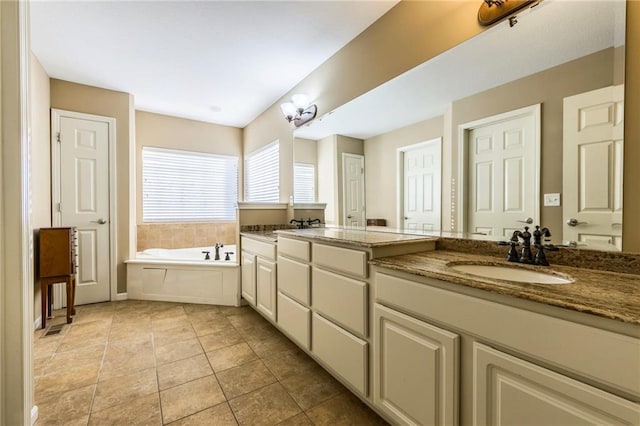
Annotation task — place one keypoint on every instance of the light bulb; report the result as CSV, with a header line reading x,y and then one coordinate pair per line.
x,y
288,109
300,101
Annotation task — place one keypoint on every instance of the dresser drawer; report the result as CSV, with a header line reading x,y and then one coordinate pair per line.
x,y
293,279
295,320
294,248
260,248
340,259
342,352
341,299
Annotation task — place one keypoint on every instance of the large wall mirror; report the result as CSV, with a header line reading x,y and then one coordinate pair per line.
x,y
518,125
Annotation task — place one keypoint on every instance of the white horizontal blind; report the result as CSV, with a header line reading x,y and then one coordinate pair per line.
x,y
304,183
183,186
262,174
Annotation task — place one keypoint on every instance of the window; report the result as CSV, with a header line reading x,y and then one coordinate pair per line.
x,y
304,183
183,186
262,174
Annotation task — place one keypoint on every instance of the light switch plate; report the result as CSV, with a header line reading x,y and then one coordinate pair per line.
x,y
551,200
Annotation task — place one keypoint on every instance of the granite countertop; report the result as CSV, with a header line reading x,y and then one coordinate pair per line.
x,y
356,237
606,294
268,236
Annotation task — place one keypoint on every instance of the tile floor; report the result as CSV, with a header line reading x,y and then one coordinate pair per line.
x,y
152,363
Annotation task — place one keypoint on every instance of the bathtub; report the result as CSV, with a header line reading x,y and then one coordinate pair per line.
x,y
183,275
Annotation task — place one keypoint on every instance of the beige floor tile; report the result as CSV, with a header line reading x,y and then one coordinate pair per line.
x,y
189,398
197,309
89,328
260,332
271,346
220,339
125,366
266,406
167,310
125,388
40,365
46,346
289,363
77,421
245,378
58,408
344,409
70,343
220,415
166,323
172,335
312,387
211,325
122,350
177,351
231,356
249,319
185,370
297,420
63,381
132,335
141,411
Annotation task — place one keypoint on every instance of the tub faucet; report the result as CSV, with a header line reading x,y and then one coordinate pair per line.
x,y
206,255
217,247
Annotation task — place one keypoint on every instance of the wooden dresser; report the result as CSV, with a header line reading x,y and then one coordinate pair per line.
x,y
57,260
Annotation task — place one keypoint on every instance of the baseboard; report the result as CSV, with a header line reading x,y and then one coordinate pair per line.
x,y
34,414
121,296
37,323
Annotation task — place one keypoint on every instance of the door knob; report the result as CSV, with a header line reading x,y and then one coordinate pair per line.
x,y
574,222
100,221
349,217
528,220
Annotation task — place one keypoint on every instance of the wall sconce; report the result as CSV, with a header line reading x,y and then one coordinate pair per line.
x,y
492,11
298,110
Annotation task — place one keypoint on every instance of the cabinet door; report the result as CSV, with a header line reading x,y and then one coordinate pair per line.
x,y
415,369
249,277
511,391
266,287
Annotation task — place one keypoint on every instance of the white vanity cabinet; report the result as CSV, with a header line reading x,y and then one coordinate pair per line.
x,y
415,373
259,275
294,290
518,366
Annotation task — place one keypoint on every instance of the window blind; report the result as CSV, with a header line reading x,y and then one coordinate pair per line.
x,y
184,186
262,174
304,183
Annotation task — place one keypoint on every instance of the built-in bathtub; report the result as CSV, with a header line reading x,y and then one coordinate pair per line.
x,y
183,275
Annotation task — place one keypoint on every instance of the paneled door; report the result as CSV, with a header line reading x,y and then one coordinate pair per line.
x,y
503,174
592,172
421,165
353,190
81,196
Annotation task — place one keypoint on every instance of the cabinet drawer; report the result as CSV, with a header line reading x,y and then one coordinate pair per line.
x,y
342,299
522,391
340,259
342,352
294,319
293,279
294,248
266,250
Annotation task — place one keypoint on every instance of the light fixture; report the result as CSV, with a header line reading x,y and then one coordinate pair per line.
x,y
298,110
492,11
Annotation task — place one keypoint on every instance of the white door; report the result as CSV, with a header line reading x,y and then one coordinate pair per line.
x,y
503,169
81,197
421,186
353,190
592,172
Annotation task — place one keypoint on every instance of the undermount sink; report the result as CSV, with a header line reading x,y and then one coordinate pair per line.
x,y
508,273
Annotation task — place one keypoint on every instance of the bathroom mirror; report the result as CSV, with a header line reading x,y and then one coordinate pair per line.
x,y
426,132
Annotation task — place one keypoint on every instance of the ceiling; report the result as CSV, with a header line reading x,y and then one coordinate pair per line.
x,y
552,33
217,61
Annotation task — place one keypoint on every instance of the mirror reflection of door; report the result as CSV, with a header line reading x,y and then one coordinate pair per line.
x,y
503,172
421,177
353,190
592,158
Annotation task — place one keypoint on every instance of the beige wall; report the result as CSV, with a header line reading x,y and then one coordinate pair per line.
x,y
548,88
40,121
631,211
185,235
381,166
164,131
327,178
92,100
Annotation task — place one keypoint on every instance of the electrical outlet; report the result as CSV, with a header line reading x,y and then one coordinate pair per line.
x,y
551,200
